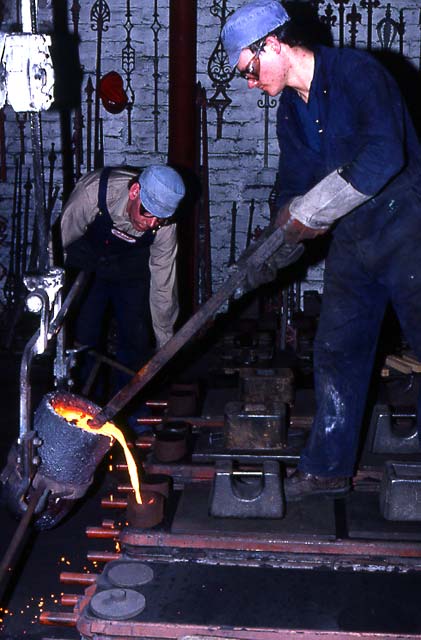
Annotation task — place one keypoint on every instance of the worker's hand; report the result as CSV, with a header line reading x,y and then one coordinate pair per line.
x,y
294,230
286,255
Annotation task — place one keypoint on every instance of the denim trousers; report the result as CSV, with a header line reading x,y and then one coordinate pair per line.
x,y
374,259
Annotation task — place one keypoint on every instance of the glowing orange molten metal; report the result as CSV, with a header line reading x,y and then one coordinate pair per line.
x,y
81,419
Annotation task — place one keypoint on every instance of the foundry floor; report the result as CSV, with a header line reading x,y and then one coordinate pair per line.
x,y
286,598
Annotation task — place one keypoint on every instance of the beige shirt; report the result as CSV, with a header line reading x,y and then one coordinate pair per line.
x,y
82,208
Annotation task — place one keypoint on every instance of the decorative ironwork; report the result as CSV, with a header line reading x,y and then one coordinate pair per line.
x,y
353,19
100,15
266,103
128,63
369,5
219,70
329,18
156,27
419,57
341,11
89,90
387,30
77,137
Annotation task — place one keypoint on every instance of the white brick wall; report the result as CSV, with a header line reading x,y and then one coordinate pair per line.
x,y
236,161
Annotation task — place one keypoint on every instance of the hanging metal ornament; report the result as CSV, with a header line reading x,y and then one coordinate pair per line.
x,y
77,138
128,57
156,28
341,11
387,30
266,103
100,16
419,57
353,19
219,69
89,90
329,18
369,5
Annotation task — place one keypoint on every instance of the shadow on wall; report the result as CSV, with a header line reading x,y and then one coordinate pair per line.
x,y
407,78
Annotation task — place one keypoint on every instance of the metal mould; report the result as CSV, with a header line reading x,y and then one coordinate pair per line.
x,y
117,604
256,494
256,426
171,441
148,514
128,574
262,385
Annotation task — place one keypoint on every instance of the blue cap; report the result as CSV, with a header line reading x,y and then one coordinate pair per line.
x,y
162,189
249,23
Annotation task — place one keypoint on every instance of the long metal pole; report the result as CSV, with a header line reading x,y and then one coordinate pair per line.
x,y
9,558
256,255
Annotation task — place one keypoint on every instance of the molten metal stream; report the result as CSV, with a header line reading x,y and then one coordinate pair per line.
x,y
81,419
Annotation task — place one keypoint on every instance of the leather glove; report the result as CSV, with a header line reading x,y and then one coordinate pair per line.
x,y
286,254
294,230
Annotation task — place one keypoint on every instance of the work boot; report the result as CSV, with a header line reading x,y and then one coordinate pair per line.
x,y
300,484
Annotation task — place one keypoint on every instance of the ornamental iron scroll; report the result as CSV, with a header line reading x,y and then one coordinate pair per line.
x,y
329,18
341,11
387,30
128,58
370,5
156,28
353,19
219,70
100,15
266,103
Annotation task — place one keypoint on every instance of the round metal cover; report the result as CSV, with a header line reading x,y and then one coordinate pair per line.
x,y
129,574
117,604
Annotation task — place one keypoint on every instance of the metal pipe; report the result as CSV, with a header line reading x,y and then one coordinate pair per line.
x,y
99,532
107,503
30,351
182,131
63,618
7,563
70,577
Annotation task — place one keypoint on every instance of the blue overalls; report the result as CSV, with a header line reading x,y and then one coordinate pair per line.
x,y
362,125
121,279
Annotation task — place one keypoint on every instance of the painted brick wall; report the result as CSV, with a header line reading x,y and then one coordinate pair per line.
x,y
243,160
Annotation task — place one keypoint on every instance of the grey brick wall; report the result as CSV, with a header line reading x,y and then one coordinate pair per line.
x,y
242,162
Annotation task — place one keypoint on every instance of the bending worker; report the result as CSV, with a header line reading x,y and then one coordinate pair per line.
x,y
350,163
119,225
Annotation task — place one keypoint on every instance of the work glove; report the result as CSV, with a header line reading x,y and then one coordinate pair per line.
x,y
286,255
294,230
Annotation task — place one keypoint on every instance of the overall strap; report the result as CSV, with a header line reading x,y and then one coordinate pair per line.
x,y
102,190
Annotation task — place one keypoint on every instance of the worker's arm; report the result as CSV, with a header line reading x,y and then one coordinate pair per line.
x,y
164,294
374,123
80,209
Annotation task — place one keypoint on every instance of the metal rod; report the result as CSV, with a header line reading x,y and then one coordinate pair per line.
x,y
58,617
7,564
102,556
71,577
269,241
99,532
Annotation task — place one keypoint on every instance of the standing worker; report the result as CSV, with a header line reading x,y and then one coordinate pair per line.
x,y
119,225
350,162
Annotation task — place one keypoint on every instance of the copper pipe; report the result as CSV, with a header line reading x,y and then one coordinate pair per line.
x,y
108,524
124,488
99,532
69,599
108,503
58,617
102,556
69,577
157,404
